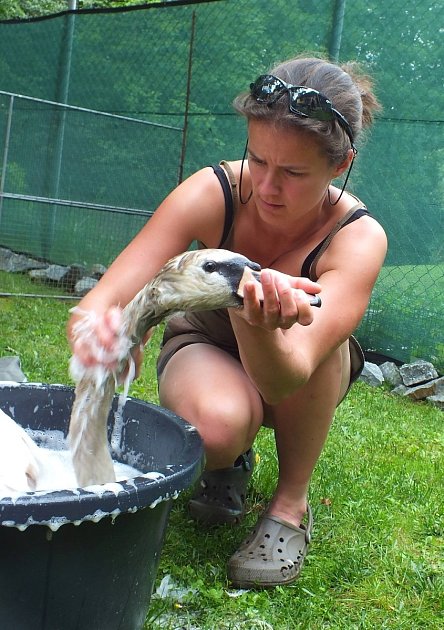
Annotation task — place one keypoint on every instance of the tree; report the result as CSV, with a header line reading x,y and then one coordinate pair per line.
x,y
23,9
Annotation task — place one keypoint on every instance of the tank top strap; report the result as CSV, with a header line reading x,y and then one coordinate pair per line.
x,y
326,242
233,184
228,198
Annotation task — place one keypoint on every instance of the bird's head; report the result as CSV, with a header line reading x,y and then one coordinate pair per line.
x,y
205,279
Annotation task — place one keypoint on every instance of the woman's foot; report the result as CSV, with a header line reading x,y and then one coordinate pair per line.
x,y
220,494
272,555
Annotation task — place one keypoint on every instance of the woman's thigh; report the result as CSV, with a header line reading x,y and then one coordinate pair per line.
x,y
209,388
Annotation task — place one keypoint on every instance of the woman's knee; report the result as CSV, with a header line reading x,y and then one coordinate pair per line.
x,y
224,425
210,389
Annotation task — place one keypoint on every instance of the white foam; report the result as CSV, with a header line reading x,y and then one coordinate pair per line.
x,y
39,461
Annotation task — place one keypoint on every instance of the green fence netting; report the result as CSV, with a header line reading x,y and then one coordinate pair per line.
x,y
76,184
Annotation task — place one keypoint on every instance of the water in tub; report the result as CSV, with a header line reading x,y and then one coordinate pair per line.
x,y
39,460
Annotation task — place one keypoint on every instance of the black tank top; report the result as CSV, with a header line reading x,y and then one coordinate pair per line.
x,y
308,267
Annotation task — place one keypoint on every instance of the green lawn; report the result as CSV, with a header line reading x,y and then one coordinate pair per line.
x,y
377,558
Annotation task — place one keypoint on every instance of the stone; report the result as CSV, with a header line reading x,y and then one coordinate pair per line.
x,y
439,385
84,285
372,375
437,400
10,370
56,273
391,373
400,390
417,372
59,275
38,274
18,263
52,274
97,271
75,273
419,392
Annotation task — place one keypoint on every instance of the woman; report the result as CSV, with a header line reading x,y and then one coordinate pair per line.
x,y
277,361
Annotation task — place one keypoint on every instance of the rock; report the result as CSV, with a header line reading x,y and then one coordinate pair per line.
x,y
84,285
52,273
417,372
372,375
97,271
400,390
38,274
437,400
10,370
18,263
59,275
439,385
75,273
391,373
418,392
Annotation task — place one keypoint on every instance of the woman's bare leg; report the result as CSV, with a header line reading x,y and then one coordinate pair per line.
x,y
210,389
301,425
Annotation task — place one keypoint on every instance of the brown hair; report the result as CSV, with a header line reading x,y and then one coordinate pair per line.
x,y
346,86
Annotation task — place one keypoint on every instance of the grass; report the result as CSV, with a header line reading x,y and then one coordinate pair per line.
x,y
377,558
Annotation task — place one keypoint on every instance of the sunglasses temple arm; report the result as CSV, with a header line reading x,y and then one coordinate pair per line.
x,y
346,180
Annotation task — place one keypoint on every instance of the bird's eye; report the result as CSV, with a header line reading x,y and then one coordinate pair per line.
x,y
210,266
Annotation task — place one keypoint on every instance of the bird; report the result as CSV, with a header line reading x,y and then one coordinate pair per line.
x,y
19,458
26,466
204,279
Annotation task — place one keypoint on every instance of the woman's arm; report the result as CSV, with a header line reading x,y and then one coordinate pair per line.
x,y
279,358
194,210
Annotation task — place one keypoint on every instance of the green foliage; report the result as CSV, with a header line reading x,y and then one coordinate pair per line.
x,y
23,9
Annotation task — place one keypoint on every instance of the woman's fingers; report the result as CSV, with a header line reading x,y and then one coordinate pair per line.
x,y
279,301
97,338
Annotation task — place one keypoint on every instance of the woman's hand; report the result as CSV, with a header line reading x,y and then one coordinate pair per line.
x,y
278,301
96,338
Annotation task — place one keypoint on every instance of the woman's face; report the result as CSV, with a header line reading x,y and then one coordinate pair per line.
x,y
289,173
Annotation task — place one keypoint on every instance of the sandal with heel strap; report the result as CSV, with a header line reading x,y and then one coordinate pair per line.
x,y
220,494
272,555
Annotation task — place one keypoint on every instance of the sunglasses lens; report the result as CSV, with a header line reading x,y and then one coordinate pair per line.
x,y
265,87
310,103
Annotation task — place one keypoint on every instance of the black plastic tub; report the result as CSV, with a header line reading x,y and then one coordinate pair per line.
x,y
87,558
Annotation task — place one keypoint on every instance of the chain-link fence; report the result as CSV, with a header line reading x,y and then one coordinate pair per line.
x,y
76,185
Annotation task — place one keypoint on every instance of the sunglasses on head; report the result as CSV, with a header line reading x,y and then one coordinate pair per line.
x,y
303,101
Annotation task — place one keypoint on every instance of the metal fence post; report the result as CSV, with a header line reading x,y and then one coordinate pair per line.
x,y
48,226
187,99
336,33
5,153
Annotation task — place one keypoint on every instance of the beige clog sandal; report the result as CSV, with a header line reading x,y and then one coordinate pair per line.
x,y
272,555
